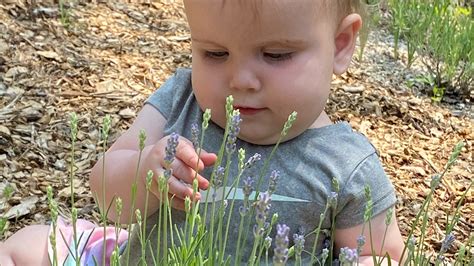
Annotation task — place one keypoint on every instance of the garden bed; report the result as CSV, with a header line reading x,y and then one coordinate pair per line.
x,y
99,59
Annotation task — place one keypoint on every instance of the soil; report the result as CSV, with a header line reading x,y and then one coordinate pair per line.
x,y
100,59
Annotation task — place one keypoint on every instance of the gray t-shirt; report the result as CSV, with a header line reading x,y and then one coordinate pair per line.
x,y
307,165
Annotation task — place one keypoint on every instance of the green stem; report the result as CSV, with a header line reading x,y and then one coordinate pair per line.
x,y
230,212
317,231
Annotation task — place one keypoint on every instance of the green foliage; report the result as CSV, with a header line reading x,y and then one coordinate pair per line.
x,y
64,14
201,242
3,225
438,94
371,17
440,32
8,191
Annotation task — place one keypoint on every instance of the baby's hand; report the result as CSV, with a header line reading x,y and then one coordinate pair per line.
x,y
183,170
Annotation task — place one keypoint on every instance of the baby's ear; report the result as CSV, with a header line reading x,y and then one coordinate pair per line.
x,y
345,41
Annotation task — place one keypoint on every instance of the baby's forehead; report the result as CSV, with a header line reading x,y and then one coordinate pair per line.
x,y
329,10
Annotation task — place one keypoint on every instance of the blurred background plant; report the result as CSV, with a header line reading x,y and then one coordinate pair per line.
x,y
439,33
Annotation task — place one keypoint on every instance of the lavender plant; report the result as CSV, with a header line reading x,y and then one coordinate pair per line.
x,y
439,32
203,242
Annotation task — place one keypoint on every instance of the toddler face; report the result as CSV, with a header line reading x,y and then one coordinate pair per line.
x,y
274,57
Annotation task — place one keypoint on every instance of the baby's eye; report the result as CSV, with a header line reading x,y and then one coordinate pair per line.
x,y
278,56
216,55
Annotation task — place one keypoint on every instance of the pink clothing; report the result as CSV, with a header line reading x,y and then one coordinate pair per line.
x,y
90,239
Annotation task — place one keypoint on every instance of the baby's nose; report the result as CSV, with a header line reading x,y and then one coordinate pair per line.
x,y
244,78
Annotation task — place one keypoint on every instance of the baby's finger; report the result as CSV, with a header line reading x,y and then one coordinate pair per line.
x,y
208,158
180,189
186,174
186,153
175,202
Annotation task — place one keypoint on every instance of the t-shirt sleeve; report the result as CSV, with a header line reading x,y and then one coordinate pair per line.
x,y
352,201
169,94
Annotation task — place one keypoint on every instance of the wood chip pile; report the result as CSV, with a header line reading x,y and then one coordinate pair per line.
x,y
112,56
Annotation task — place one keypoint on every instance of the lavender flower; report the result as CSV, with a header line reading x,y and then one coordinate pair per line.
x,y
138,214
389,216
289,123
348,255
299,243
187,204
218,177
360,243
243,209
335,185
324,256
332,200
274,176
195,135
280,255
411,242
217,180
262,206
435,180
447,243
248,182
241,155
234,129
170,150
252,160
206,117
141,139
229,105
267,242
118,206
167,174
106,127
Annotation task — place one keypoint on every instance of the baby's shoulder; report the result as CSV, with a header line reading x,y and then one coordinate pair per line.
x,y
339,141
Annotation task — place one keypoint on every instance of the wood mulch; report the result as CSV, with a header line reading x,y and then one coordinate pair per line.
x,y
112,56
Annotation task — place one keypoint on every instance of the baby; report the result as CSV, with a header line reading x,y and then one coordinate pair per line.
x,y
274,57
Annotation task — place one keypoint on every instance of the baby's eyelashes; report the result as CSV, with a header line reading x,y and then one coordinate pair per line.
x,y
278,56
216,54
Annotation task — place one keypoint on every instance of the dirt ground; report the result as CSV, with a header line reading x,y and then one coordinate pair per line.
x,y
107,58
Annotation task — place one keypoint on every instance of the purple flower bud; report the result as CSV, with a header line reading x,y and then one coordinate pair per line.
x,y
332,199
273,181
262,206
243,210
234,129
280,255
258,231
324,256
299,243
170,150
447,243
248,182
195,135
411,242
167,173
252,160
348,255
360,243
218,177
267,242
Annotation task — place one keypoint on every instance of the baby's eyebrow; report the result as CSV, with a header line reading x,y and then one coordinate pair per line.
x,y
283,42
194,39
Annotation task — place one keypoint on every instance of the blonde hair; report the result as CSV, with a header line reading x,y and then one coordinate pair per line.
x,y
340,8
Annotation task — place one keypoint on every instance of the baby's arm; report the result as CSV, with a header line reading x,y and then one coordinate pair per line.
x,y
393,244
121,162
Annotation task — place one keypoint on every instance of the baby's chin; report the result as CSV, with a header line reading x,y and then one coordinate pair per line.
x,y
266,139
